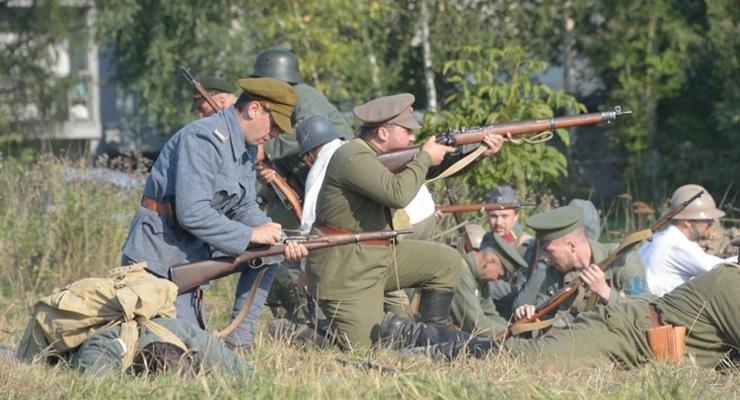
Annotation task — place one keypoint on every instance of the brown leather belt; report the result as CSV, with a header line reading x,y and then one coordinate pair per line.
x,y
165,208
329,230
655,320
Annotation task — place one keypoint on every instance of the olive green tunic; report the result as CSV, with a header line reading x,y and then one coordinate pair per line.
x,y
626,277
472,307
359,194
707,305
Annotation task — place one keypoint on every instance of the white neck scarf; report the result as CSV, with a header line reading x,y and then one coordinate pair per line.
x,y
314,181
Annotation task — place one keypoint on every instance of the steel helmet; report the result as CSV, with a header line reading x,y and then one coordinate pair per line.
x,y
313,132
277,63
701,208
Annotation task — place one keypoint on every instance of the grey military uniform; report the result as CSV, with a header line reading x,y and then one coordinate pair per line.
x,y
101,353
207,170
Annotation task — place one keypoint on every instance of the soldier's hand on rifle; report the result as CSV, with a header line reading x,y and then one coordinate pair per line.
x,y
436,151
525,312
594,278
269,234
494,143
294,251
266,174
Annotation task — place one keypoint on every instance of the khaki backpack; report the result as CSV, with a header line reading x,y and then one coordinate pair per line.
x,y
129,296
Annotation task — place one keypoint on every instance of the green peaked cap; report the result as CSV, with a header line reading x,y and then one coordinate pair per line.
x,y
556,223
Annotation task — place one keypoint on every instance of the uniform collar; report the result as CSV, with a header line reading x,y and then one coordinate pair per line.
x,y
599,251
469,258
370,145
236,137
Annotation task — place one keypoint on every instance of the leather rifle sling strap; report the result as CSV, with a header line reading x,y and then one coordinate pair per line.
x,y
247,306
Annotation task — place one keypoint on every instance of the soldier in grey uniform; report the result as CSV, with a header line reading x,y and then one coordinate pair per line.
x,y
473,309
283,153
200,197
101,353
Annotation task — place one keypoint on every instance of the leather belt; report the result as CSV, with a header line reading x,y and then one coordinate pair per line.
x,y
165,208
655,320
329,230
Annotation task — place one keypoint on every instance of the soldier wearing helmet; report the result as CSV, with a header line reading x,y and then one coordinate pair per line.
x,y
283,152
673,256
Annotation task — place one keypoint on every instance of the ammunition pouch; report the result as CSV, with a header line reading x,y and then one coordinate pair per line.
x,y
667,342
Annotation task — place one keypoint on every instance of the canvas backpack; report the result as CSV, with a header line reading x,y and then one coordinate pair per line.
x,y
129,296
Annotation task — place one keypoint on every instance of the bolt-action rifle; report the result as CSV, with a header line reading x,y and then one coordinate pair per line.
x,y
279,185
567,291
458,208
397,160
189,276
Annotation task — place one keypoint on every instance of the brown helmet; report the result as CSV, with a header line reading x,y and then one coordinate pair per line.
x,y
701,208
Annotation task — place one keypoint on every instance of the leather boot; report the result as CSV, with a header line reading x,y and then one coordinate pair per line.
x,y
434,305
441,342
399,332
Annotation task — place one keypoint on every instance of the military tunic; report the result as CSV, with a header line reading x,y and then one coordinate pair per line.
x,y
707,305
359,194
101,353
626,277
207,170
473,309
283,152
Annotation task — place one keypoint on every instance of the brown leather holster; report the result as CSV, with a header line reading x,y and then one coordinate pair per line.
x,y
667,342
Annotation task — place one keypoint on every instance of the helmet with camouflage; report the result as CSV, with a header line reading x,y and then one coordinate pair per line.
x,y
277,63
701,208
314,131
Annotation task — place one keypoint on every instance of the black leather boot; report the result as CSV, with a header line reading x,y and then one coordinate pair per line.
x,y
434,305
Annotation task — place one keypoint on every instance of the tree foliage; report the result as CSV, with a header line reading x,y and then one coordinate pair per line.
x,y
494,86
33,91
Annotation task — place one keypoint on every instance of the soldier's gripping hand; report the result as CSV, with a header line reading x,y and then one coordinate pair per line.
x,y
269,234
436,151
594,278
494,143
525,312
294,251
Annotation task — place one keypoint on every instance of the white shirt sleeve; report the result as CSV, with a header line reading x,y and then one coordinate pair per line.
x,y
690,259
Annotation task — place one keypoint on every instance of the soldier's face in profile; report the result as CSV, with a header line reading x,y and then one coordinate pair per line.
x,y
502,221
257,124
561,254
489,266
399,137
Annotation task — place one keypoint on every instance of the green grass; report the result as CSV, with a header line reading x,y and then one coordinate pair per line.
x,y
53,233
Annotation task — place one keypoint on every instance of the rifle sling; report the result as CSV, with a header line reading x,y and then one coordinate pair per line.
x,y
460,164
248,305
518,329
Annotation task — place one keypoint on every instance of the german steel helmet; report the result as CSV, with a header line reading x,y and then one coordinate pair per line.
x,y
313,132
701,208
277,63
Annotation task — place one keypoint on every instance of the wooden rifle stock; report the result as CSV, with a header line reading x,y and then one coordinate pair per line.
x,y
189,276
629,242
458,208
397,160
284,191
279,185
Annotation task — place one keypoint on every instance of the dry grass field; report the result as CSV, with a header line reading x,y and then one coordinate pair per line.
x,y
55,228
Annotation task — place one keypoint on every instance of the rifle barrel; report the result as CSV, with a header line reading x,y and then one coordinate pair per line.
x,y
397,160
